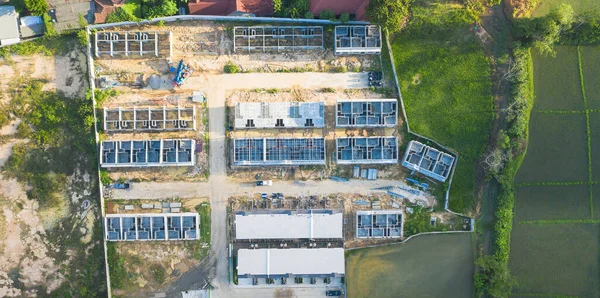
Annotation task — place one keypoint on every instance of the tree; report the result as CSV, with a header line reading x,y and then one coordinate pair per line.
x,y
326,15
344,18
277,6
309,15
158,8
36,7
494,277
389,14
120,15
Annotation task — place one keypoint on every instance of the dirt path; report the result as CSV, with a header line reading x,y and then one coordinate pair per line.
x,y
497,25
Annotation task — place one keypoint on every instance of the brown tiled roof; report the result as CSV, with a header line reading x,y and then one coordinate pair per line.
x,y
226,7
339,7
104,8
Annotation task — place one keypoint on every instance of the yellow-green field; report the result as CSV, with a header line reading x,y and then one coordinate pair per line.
x,y
425,266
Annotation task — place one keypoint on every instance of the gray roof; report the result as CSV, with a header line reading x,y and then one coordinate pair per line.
x,y
291,261
31,26
8,23
309,225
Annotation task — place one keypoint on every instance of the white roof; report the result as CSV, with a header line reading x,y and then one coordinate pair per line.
x,y
292,114
291,261
288,226
8,23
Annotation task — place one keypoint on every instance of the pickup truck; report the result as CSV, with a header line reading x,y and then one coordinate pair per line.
x,y
264,183
333,293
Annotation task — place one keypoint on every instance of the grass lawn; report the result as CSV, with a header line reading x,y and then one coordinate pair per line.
x,y
578,5
556,259
444,77
590,57
552,202
557,150
425,266
204,211
557,85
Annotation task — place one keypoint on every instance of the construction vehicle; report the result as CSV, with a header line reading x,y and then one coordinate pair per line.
x,y
182,72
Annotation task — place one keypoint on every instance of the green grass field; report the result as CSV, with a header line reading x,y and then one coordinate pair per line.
x,y
556,252
557,92
444,77
556,259
568,202
425,266
578,5
551,138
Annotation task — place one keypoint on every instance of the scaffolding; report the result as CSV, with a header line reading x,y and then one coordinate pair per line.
x,y
379,224
366,113
280,38
149,119
148,153
279,151
367,150
152,226
357,39
133,44
428,161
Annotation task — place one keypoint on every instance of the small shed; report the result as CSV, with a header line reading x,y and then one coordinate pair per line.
x,y
9,34
31,26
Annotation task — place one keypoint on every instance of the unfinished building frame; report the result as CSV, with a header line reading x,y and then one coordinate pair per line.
x,y
367,150
279,115
149,119
289,224
428,161
366,113
379,223
357,39
148,153
279,38
278,151
152,226
133,44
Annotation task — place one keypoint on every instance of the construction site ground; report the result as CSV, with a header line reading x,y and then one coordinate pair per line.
x,y
298,76
34,259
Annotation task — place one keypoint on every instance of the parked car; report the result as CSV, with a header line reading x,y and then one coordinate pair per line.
x,y
264,183
333,293
121,186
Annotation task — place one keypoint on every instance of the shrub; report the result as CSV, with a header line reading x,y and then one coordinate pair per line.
x,y
328,90
344,18
309,15
340,69
49,30
160,23
104,178
230,67
82,36
389,14
277,6
327,15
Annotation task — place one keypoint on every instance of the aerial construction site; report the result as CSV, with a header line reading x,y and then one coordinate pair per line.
x,y
242,159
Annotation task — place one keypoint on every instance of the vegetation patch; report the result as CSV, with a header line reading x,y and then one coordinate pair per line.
x,y
556,259
453,102
552,202
552,136
376,272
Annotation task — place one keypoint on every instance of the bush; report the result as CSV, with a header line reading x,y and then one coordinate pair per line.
x,y
101,95
309,15
327,15
389,14
104,178
82,36
49,30
344,18
231,68
340,69
160,23
36,7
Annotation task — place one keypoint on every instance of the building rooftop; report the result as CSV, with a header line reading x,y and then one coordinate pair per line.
x,y
308,224
300,261
379,223
278,152
148,153
367,150
279,115
152,226
31,26
366,113
428,161
9,24
357,39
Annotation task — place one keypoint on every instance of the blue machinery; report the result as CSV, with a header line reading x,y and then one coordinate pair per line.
x,y
182,72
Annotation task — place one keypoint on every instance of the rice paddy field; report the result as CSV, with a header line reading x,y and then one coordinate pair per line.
x,y
555,243
425,266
